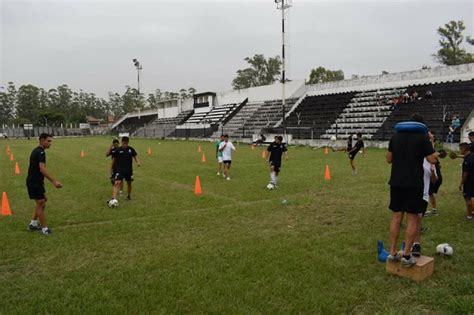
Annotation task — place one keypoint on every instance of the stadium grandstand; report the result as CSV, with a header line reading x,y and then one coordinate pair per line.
x,y
371,105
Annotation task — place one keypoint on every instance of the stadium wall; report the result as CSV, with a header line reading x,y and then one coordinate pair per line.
x,y
363,83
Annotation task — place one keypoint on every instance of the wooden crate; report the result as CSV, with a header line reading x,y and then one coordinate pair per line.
x,y
423,269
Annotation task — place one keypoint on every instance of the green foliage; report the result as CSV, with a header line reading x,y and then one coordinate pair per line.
x,y
62,105
451,52
262,71
321,75
7,103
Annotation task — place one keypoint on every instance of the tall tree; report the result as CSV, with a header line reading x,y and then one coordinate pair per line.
x,y
262,71
28,99
7,103
451,51
321,75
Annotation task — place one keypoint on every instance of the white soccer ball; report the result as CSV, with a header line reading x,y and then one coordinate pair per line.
x,y
444,249
333,138
270,186
113,203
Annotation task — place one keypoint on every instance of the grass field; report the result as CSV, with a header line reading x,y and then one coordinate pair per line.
x,y
237,248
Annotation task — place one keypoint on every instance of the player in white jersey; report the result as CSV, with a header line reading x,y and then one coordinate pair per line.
x,y
226,147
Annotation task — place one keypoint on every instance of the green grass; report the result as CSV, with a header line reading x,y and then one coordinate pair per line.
x,y
235,249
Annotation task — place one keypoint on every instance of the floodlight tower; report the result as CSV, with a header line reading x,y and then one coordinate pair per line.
x,y
138,66
283,5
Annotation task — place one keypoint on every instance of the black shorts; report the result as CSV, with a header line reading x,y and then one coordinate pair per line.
x,y
276,166
468,190
435,187
407,199
228,162
36,192
123,175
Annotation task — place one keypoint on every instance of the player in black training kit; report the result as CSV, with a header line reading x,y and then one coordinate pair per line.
x,y
110,152
276,149
467,179
353,152
35,183
123,165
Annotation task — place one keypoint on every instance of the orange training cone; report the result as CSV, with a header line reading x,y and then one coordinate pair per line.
x,y
203,159
82,154
327,174
149,151
17,169
253,146
5,205
326,150
264,154
8,150
11,157
197,186
199,149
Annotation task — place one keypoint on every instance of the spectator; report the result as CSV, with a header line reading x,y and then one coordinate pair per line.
x,y
455,124
413,96
428,94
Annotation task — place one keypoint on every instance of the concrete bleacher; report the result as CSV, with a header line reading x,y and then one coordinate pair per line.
x,y
163,127
448,99
366,113
315,113
235,126
267,115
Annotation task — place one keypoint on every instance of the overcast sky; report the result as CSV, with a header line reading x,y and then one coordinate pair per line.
x,y
90,45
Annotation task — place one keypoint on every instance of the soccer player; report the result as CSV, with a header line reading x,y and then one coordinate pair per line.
x,y
226,147
406,152
349,143
115,145
35,183
276,149
123,158
353,152
219,155
471,139
429,177
467,179
434,186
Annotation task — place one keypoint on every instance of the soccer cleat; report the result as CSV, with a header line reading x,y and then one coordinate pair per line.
x,y
416,250
408,262
394,258
46,231
120,193
129,198
32,227
218,174
428,213
228,178
434,212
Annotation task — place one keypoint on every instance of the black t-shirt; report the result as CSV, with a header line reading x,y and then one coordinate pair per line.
x,y
408,151
471,147
35,177
276,150
468,167
359,145
349,142
114,163
123,159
